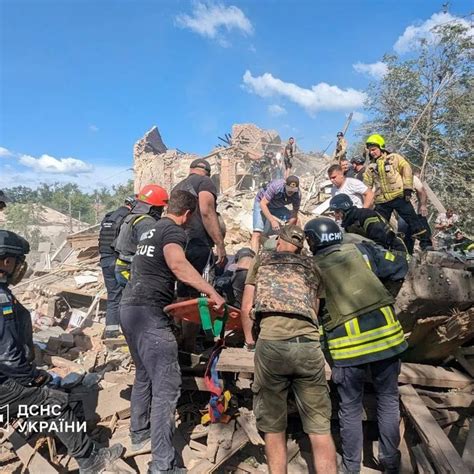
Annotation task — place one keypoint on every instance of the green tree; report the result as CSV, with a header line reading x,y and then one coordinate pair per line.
x,y
424,106
24,219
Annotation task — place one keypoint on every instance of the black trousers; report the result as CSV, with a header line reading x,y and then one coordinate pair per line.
x,y
425,239
114,293
350,388
407,213
14,396
197,253
157,384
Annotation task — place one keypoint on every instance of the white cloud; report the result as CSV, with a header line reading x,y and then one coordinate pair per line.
x,y
210,19
276,110
359,117
5,152
321,96
410,38
49,164
93,128
375,70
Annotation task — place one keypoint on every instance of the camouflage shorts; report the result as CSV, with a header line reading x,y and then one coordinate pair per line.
x,y
281,366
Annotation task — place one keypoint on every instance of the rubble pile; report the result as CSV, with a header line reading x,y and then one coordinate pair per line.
x,y
68,300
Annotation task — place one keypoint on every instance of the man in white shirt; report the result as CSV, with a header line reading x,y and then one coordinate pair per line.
x,y
359,193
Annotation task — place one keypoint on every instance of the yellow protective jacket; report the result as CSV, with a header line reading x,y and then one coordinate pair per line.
x,y
389,176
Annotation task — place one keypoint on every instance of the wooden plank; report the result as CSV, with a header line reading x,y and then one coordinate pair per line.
x,y
443,453
465,362
31,460
423,466
468,452
219,434
239,440
233,359
446,400
433,376
248,422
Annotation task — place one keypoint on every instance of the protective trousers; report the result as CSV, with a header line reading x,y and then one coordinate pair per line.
x,y
407,213
157,384
425,239
114,293
15,396
350,387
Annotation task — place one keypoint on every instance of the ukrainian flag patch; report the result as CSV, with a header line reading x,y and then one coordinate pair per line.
x,y
7,310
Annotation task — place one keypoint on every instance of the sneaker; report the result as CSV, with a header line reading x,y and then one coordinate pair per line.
x,y
100,459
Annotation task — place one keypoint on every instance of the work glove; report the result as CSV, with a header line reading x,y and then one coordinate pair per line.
x,y
249,346
407,194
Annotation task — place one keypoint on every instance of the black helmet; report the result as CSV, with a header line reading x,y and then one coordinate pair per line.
x,y
358,160
12,245
340,202
130,200
322,232
340,134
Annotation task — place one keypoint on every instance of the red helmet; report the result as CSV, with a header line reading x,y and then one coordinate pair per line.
x,y
154,195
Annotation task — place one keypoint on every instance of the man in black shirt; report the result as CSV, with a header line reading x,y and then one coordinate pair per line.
x,y
203,232
159,261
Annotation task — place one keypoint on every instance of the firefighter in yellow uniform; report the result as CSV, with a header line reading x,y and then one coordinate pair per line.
x,y
362,334
391,177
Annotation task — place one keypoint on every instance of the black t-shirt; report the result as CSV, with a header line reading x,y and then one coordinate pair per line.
x,y
196,183
152,282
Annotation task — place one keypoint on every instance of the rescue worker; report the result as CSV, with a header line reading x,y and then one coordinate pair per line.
x,y
109,230
358,164
3,200
21,384
148,208
362,334
366,222
462,243
204,231
391,176
359,193
341,147
284,287
270,207
288,154
419,202
159,261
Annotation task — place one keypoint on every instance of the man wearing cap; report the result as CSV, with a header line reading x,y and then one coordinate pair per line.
x,y
3,200
282,294
358,165
341,147
203,233
270,207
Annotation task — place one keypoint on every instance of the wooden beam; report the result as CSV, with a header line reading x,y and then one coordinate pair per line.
x,y
442,452
31,459
468,452
233,359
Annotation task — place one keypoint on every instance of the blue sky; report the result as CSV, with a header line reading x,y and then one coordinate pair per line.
x,y
82,80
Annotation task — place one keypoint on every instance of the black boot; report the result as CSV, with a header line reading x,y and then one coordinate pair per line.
x,y
100,459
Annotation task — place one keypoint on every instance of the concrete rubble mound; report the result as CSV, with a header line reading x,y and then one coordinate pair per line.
x,y
68,301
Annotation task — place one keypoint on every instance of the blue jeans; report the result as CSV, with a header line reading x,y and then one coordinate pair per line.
x,y
260,223
350,387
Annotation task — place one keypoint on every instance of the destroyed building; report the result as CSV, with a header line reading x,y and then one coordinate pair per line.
x,y
68,302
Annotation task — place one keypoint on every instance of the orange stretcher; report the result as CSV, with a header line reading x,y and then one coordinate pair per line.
x,y
189,311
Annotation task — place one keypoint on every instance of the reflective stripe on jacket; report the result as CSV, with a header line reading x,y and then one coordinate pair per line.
x,y
390,175
374,336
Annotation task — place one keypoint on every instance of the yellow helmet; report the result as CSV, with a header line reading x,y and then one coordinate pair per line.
x,y
377,140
